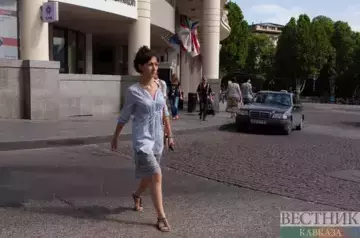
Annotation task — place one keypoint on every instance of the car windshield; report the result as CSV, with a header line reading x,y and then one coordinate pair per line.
x,y
273,98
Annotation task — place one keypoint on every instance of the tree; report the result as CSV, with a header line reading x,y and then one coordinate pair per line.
x,y
327,23
344,44
321,49
304,48
234,48
261,50
285,56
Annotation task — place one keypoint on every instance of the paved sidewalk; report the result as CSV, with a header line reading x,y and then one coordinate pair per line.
x,y
93,189
25,134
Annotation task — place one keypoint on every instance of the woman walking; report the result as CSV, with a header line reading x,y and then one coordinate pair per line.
x,y
174,96
146,103
234,98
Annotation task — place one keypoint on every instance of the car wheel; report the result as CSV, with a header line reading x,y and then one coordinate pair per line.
x,y
288,129
300,126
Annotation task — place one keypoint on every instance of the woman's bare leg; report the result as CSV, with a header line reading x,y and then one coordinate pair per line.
x,y
157,197
144,184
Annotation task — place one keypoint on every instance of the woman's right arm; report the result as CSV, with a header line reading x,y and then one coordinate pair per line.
x,y
124,117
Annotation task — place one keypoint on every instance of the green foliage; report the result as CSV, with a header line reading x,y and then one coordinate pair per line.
x,y
234,48
327,23
286,52
344,44
261,51
319,48
306,48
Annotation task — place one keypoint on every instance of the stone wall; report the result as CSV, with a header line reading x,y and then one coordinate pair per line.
x,y
95,95
35,90
11,89
29,89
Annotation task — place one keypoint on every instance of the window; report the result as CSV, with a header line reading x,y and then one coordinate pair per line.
x,y
81,53
71,57
9,36
273,98
59,49
70,50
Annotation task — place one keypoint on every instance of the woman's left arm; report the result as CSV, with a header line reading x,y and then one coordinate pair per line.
x,y
167,124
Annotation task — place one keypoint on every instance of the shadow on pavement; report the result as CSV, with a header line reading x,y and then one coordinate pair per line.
x,y
255,130
98,213
20,185
351,123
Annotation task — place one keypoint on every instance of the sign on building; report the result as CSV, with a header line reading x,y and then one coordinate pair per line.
x,y
50,12
8,30
127,2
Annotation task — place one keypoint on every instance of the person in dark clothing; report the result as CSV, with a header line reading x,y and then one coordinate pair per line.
x,y
174,96
204,91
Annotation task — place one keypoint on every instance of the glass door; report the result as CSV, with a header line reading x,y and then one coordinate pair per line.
x,y
60,49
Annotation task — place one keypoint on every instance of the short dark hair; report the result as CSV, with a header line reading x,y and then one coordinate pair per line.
x,y
143,56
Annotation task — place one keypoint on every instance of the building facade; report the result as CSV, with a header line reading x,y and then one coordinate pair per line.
x,y
82,63
272,30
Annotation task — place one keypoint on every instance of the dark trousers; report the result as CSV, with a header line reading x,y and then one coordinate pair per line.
x,y
203,109
174,103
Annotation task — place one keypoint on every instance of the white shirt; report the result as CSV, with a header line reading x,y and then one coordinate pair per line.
x,y
234,91
163,87
247,90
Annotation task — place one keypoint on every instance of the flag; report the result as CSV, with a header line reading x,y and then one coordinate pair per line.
x,y
188,35
172,40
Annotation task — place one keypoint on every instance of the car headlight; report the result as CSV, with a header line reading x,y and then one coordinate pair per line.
x,y
279,116
244,112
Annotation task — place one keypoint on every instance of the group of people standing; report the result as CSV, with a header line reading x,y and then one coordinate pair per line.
x,y
237,96
173,95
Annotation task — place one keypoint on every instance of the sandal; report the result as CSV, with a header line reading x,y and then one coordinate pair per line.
x,y
163,224
138,203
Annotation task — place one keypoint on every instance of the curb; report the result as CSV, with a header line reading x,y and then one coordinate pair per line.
x,y
50,143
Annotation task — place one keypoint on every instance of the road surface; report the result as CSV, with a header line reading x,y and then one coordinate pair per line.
x,y
217,183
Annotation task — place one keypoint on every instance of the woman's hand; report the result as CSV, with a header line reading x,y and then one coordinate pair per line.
x,y
114,142
171,142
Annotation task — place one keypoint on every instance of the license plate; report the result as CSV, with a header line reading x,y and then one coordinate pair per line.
x,y
261,122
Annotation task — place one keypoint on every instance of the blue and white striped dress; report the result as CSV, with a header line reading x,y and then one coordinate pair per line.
x,y
147,128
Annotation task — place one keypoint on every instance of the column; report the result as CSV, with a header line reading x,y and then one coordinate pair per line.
x,y
139,34
184,75
34,34
89,53
210,48
210,29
